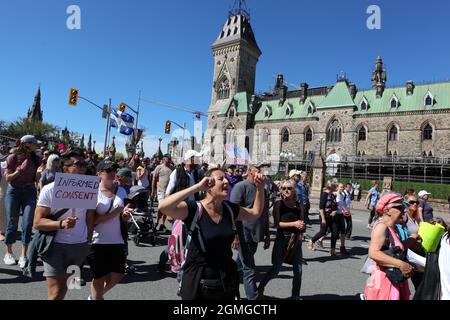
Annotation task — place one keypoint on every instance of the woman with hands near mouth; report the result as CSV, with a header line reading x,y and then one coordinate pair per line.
x,y
289,220
209,272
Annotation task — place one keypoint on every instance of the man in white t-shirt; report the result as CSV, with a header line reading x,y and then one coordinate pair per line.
x,y
73,231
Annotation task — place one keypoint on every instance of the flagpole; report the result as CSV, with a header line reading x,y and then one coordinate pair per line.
x,y
107,128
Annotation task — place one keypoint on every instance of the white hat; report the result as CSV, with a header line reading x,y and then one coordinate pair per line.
x,y
294,172
423,193
191,153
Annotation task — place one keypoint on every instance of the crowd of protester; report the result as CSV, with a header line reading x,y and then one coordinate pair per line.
x,y
222,208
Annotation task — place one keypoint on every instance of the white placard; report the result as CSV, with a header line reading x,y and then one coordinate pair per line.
x,y
75,191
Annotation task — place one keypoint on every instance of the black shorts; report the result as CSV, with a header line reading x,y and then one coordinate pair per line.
x,y
107,258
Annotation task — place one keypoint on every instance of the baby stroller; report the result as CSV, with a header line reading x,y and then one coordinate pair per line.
x,y
142,224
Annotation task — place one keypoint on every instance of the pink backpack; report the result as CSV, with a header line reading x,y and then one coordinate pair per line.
x,y
175,246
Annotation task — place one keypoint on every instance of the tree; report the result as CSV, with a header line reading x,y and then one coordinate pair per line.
x,y
41,130
3,127
133,141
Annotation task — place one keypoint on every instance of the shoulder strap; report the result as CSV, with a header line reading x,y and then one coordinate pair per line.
x,y
59,214
113,199
230,210
194,225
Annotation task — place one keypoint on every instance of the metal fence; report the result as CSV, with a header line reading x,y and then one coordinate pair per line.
x,y
430,171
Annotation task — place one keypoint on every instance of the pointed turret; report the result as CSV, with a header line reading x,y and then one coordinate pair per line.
x,y
35,113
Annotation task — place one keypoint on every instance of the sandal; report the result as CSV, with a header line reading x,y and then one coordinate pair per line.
x,y
320,244
332,252
310,245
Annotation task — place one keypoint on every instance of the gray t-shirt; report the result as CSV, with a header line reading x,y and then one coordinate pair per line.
x,y
244,194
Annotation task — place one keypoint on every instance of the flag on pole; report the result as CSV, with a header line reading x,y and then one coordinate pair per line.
x,y
236,155
122,121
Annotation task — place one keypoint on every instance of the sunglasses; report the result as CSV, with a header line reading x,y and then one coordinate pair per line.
x,y
286,188
77,163
414,202
396,206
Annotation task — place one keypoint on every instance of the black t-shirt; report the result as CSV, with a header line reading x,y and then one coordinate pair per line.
x,y
328,203
287,214
217,238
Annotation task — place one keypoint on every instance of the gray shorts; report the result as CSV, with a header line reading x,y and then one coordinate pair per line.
x,y
61,256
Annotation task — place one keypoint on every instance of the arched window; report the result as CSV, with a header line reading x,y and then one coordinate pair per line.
x,y
231,114
395,153
223,91
427,132
390,153
363,105
285,135
334,132
429,99
394,103
308,135
362,134
393,133
424,154
363,153
288,111
264,136
430,154
359,153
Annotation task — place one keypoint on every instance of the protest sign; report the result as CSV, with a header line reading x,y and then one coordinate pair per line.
x,y
75,191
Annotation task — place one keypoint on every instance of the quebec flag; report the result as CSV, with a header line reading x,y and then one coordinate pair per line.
x,y
122,121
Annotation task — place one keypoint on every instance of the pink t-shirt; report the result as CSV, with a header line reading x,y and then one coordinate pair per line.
x,y
27,177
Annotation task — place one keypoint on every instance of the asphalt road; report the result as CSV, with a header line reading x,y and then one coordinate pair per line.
x,y
324,277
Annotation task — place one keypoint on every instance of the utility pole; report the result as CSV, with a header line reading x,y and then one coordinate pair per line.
x,y
182,143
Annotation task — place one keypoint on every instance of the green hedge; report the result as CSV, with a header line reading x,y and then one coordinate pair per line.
x,y
438,191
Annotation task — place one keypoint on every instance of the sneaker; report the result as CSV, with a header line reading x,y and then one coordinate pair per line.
x,y
22,262
9,259
362,296
90,297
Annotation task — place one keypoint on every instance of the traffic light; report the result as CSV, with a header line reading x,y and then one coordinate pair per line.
x,y
73,98
122,107
167,130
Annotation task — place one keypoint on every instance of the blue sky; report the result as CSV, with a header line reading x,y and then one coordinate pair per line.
x,y
163,48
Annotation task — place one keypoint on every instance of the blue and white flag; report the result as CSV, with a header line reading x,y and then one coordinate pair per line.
x,y
122,121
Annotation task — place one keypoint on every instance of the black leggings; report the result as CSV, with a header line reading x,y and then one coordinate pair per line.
x,y
372,215
349,226
337,226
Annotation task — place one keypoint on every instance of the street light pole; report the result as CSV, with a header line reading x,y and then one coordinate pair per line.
x,y
107,128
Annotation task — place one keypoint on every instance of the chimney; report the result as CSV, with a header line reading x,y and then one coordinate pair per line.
x,y
410,87
303,92
353,91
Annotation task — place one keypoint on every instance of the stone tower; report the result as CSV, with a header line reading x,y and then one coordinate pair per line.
x,y
35,112
236,54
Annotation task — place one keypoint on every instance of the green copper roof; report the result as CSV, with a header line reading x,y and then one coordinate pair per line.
x,y
241,101
279,112
339,96
414,102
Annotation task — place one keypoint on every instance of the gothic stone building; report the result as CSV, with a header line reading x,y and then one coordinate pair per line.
x,y
411,120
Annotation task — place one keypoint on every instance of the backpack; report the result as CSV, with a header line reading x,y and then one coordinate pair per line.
x,y
175,246
178,243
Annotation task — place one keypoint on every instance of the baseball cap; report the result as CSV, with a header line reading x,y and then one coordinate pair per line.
x,y
28,139
106,166
294,172
191,153
124,172
423,193
166,156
